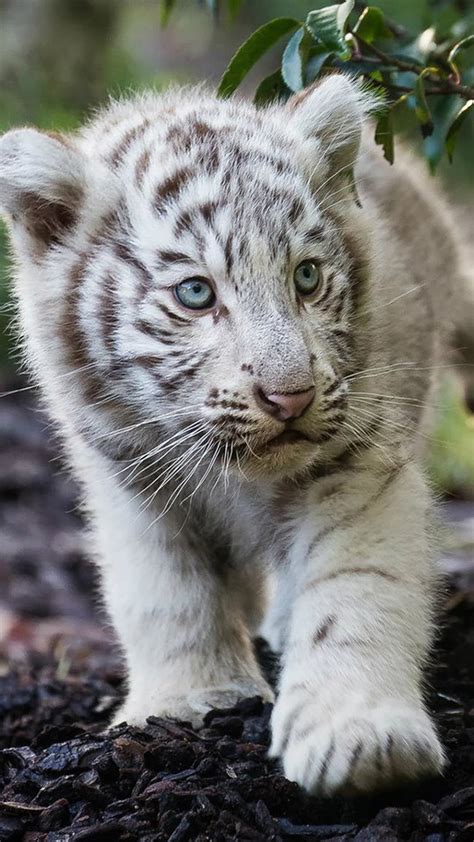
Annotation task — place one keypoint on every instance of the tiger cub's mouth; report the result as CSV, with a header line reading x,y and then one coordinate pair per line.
x,y
281,439
287,437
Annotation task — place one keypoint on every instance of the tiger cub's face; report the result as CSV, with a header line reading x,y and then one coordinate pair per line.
x,y
216,290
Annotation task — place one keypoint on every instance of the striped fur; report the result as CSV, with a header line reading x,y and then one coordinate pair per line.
x,y
190,504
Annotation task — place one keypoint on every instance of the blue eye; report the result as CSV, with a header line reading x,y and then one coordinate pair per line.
x,y
308,277
195,294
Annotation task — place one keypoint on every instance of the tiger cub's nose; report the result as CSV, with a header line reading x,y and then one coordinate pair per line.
x,y
286,406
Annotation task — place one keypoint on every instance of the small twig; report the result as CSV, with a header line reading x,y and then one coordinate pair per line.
x,y
15,807
403,89
386,58
445,86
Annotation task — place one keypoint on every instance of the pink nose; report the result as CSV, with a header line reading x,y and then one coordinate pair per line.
x,y
287,406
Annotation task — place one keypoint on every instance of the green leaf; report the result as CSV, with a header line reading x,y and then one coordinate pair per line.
x,y
315,64
294,59
443,110
461,45
328,26
270,88
384,135
371,25
377,75
453,131
165,11
422,109
251,50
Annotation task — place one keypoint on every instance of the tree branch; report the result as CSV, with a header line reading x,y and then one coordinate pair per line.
x,y
443,86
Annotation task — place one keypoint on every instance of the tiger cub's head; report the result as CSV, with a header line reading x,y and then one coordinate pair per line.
x,y
191,269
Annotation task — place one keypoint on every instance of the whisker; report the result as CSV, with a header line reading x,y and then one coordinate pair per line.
x,y
247,443
175,441
342,201
355,427
178,490
175,468
345,188
239,466
145,422
221,472
398,367
227,469
381,368
33,386
172,468
388,396
413,429
400,402
377,307
204,476
348,167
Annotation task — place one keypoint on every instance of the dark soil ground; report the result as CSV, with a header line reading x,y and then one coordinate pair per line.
x,y
60,678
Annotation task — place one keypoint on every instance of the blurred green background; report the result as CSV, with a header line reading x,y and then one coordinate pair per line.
x,y
61,58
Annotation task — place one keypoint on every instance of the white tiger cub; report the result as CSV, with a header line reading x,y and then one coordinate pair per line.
x,y
238,356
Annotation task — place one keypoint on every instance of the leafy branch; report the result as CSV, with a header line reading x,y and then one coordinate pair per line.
x,y
448,85
431,73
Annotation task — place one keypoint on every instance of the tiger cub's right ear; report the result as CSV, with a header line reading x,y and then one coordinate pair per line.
x,y
42,182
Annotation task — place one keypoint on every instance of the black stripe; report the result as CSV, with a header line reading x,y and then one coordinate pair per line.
x,y
171,315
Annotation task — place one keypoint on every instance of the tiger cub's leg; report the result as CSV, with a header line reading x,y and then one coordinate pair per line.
x,y
350,713
181,624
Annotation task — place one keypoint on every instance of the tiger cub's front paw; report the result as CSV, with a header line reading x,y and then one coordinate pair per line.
x,y
191,706
357,751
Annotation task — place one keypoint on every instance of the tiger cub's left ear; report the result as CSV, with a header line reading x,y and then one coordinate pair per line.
x,y
329,117
42,181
